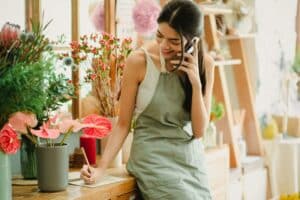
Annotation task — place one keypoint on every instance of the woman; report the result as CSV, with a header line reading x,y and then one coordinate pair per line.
x,y
168,93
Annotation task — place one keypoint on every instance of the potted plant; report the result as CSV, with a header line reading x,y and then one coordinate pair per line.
x,y
216,113
52,156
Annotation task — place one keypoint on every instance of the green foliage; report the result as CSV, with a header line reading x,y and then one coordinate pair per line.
x,y
217,110
296,65
28,77
33,87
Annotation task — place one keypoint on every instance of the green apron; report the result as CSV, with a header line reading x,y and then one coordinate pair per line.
x,y
167,162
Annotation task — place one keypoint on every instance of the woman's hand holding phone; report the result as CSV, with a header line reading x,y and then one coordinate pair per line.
x,y
189,64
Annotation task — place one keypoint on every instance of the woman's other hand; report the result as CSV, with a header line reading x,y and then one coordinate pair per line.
x,y
91,175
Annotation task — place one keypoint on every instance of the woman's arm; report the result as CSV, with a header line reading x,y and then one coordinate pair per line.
x,y
200,111
133,75
200,108
210,74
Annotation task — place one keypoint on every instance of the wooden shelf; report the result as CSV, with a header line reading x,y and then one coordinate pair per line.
x,y
243,86
228,62
236,37
61,48
214,10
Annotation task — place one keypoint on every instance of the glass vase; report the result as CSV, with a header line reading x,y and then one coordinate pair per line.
x,y
28,159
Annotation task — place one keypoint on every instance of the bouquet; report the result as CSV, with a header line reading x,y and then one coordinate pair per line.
x,y
29,82
107,55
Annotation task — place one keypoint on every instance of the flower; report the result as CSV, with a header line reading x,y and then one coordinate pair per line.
x,y
99,126
92,126
9,34
106,55
46,132
145,14
22,120
9,142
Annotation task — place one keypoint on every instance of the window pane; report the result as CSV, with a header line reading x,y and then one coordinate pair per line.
x,y
12,11
60,12
85,23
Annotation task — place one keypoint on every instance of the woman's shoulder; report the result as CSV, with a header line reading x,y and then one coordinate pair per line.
x,y
136,64
136,58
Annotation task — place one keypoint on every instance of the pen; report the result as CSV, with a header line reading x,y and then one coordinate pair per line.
x,y
86,159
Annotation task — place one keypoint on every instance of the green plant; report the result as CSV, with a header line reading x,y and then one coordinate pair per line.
x,y
296,64
217,110
28,78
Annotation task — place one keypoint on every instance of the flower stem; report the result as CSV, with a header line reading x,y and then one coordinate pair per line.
x,y
32,139
66,135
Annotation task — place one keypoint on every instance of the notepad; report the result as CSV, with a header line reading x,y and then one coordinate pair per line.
x,y
108,179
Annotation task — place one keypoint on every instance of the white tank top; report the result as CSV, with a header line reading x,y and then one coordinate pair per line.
x,y
147,87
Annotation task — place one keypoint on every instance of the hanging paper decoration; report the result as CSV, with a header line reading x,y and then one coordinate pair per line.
x,y
145,14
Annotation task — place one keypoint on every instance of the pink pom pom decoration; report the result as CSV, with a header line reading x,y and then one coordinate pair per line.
x,y
145,14
97,17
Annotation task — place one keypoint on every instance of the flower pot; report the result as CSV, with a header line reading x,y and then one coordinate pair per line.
x,y
28,159
5,177
52,167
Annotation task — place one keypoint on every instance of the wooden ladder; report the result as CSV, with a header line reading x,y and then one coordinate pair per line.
x,y
242,83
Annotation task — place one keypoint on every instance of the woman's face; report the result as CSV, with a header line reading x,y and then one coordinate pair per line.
x,y
169,40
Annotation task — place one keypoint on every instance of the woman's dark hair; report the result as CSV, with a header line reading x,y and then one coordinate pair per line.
x,y
185,17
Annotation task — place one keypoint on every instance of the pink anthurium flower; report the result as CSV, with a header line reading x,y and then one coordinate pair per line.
x,y
68,125
46,132
9,142
21,120
96,126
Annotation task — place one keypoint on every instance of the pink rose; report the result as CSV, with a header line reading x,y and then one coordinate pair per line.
x,y
9,142
97,126
21,120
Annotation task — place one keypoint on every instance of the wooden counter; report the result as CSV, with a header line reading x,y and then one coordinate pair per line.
x,y
218,174
121,191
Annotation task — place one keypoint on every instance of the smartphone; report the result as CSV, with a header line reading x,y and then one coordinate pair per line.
x,y
189,48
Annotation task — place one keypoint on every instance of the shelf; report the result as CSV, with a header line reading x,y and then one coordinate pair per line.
x,y
61,48
228,62
236,37
214,10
